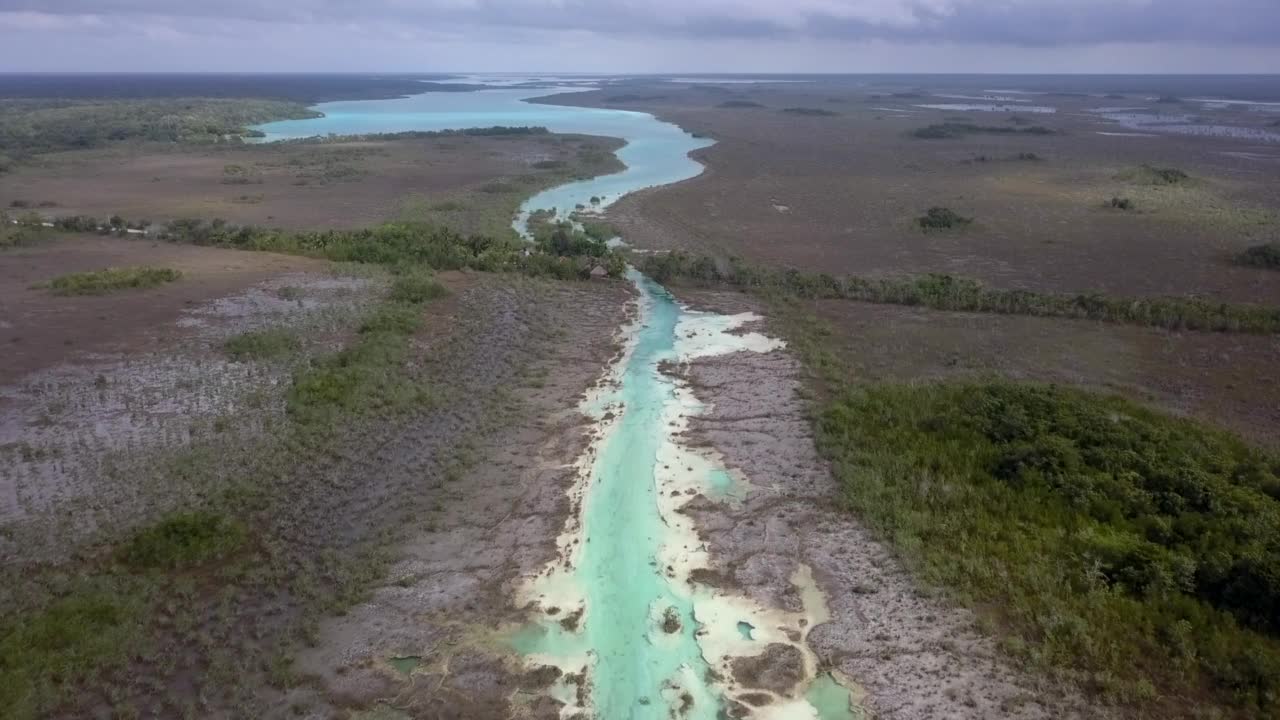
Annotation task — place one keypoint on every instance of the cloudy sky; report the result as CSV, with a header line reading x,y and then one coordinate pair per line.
x,y
642,35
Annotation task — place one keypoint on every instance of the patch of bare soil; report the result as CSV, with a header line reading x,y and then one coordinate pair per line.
x,y
39,329
429,643
916,657
305,186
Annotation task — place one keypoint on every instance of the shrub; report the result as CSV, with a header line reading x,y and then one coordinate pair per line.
x,y
261,344
1121,203
99,282
740,104
44,654
940,218
1266,255
368,375
601,231
184,540
77,223
1148,175
942,131
417,287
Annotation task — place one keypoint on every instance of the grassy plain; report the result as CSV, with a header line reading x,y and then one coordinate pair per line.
x,y
470,184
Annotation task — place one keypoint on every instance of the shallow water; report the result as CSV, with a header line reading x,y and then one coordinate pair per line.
x,y
653,644
1183,124
638,665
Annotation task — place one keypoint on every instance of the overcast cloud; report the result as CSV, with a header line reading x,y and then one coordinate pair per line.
x,y
644,35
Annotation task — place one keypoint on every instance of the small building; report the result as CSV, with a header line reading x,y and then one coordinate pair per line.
x,y
599,273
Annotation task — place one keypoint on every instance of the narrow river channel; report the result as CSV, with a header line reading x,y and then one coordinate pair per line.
x,y
634,638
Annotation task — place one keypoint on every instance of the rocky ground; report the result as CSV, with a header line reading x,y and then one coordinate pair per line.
x,y
916,656
430,642
457,495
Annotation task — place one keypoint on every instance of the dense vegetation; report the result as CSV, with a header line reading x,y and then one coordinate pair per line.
x,y
1266,255
947,292
947,130
559,250
99,282
740,104
941,218
1139,550
261,344
411,243
183,540
69,638
365,375
1148,175
34,126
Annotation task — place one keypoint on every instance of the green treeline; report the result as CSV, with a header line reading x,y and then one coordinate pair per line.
x,y
944,131
34,126
947,292
494,131
558,250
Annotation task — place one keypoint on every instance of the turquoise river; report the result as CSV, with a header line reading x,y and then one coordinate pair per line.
x,y
648,644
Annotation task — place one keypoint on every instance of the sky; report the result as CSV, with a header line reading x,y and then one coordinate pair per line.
x,y
642,36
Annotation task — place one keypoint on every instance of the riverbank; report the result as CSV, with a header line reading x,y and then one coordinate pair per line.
x,y
909,653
